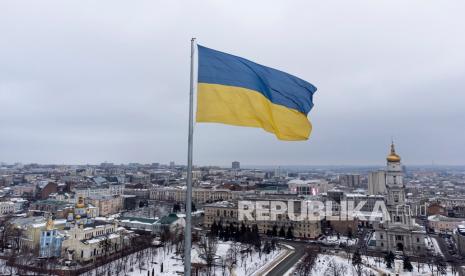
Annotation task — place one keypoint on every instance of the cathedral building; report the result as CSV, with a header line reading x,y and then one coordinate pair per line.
x,y
50,241
398,232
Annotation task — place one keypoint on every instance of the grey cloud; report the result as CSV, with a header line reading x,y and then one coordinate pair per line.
x,y
86,81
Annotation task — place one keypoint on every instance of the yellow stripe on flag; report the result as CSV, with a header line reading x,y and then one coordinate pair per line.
x,y
239,106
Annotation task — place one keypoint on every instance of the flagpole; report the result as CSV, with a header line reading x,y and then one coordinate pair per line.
x,y
190,139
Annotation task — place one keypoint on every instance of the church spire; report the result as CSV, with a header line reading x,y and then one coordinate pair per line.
x,y
393,157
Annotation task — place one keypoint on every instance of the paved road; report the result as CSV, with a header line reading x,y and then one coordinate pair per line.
x,y
290,261
300,247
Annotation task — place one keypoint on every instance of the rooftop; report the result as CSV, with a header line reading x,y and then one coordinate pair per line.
x,y
138,219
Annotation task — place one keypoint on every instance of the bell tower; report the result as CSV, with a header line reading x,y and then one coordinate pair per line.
x,y
394,179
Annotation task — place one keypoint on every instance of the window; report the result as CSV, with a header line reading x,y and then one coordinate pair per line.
x,y
381,236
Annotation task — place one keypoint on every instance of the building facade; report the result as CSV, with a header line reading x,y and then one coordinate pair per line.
x,y
350,180
443,224
226,213
83,244
199,195
377,183
308,187
398,232
107,205
50,241
7,207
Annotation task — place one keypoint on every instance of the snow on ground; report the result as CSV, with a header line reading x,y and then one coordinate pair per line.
x,y
5,270
154,259
324,262
334,240
372,266
418,268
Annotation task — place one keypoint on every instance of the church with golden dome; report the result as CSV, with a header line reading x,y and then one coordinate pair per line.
x,y
398,231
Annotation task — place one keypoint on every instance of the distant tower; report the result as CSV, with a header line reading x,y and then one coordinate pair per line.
x,y
350,180
277,172
236,165
400,232
394,181
377,183
172,165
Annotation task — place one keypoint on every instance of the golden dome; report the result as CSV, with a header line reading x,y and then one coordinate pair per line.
x,y
78,216
50,224
80,203
393,157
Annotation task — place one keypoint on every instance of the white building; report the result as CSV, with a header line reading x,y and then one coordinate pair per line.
x,y
7,207
110,190
83,243
19,203
443,224
308,187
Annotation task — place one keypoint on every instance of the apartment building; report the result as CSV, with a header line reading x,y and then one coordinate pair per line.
x,y
107,205
199,195
226,212
7,207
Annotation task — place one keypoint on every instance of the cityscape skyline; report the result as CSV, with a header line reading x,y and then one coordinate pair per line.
x,y
232,138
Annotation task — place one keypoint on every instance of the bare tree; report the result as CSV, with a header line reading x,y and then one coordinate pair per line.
x,y
178,240
335,269
10,235
306,266
441,266
231,259
105,244
430,261
207,247
357,263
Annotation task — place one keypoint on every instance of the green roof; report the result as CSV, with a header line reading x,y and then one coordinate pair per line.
x,y
168,219
52,202
144,220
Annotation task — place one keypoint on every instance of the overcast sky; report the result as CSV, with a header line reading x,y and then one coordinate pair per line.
x,y
93,81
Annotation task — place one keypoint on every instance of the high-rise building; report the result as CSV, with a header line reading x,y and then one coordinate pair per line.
x,y
172,165
236,165
350,180
377,183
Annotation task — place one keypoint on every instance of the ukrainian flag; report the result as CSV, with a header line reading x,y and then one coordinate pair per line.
x,y
236,91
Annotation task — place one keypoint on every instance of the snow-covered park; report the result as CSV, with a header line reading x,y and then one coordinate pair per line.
x,y
167,261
